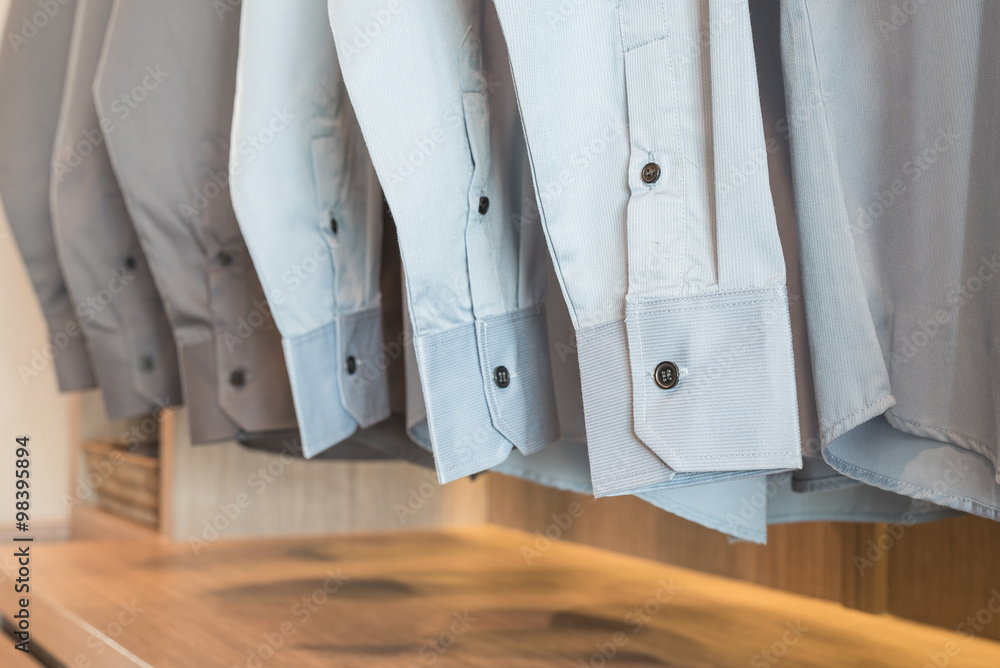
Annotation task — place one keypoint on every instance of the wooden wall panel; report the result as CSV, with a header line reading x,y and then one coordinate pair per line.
x,y
815,559
939,573
945,572
220,487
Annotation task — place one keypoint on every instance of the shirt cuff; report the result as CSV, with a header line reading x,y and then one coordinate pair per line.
x,y
206,421
69,353
718,429
137,371
338,378
713,382
487,388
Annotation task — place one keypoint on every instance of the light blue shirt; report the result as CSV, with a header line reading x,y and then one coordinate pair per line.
x,y
310,209
442,128
427,156
648,157
892,113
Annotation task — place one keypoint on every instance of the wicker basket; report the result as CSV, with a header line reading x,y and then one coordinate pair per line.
x,y
127,481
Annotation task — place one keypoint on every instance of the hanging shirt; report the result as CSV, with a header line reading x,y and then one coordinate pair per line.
x,y
895,155
310,208
128,335
33,59
164,92
648,158
442,128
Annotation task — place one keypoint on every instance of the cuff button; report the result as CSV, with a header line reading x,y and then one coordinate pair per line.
x,y
666,375
501,376
238,378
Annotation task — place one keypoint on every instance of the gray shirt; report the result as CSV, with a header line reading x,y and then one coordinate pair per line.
x,y
895,155
164,92
33,60
129,337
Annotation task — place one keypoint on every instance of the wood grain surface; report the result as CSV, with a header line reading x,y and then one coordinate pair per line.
x,y
12,658
478,596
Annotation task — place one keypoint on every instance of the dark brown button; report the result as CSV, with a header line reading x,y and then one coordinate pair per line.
x,y
238,378
651,172
224,258
666,375
146,363
333,225
131,263
501,376
484,205
352,365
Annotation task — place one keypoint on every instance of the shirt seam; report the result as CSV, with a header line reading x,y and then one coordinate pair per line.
x,y
835,426
906,488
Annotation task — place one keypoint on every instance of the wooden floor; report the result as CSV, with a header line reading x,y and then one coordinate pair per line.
x,y
12,658
466,597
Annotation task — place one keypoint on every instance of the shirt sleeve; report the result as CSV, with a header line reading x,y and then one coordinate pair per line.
x,y
649,160
164,92
432,91
128,335
310,208
32,72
